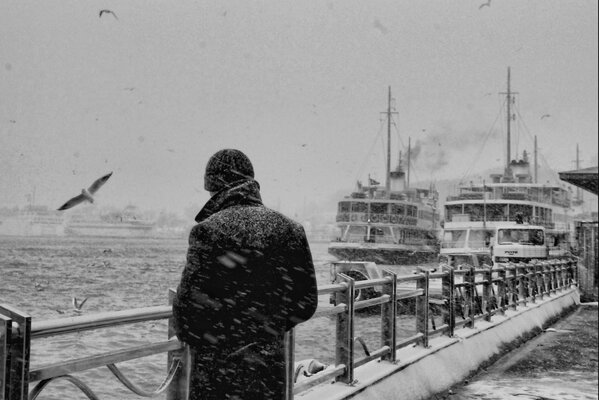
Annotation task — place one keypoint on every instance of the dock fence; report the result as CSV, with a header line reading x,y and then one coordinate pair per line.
x,y
466,295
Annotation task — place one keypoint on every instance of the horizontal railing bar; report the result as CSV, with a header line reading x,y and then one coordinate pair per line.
x,y
410,294
100,360
333,288
319,378
378,353
409,278
438,275
410,340
461,323
439,330
100,320
324,311
371,282
358,305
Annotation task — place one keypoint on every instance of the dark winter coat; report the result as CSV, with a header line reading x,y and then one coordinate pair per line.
x,y
249,278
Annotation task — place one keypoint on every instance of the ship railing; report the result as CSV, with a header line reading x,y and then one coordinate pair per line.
x,y
465,292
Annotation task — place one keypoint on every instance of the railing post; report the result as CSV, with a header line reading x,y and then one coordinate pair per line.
x,y
546,278
486,300
501,292
18,353
448,290
522,282
5,334
179,386
553,275
563,274
422,308
574,271
344,347
290,363
469,300
532,281
388,316
512,296
538,268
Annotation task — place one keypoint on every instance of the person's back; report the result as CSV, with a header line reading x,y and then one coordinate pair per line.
x,y
249,278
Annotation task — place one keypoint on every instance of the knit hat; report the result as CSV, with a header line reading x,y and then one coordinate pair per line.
x,y
227,166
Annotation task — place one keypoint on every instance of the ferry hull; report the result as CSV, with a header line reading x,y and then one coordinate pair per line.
x,y
381,254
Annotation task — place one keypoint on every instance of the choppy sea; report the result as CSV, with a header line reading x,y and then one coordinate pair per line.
x,y
41,275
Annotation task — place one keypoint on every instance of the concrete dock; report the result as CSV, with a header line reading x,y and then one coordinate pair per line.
x,y
558,364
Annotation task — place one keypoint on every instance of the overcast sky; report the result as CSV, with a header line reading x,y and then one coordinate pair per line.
x,y
151,91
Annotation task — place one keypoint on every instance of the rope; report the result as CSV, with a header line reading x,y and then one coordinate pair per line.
x,y
378,135
478,153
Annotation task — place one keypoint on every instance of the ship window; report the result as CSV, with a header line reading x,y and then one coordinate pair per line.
x,y
523,236
357,230
454,238
398,209
476,211
376,231
450,211
378,208
524,210
479,238
359,207
344,206
496,212
412,211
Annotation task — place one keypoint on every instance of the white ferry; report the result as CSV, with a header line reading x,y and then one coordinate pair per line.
x,y
392,224
473,215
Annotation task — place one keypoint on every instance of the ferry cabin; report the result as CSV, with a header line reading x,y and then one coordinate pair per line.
x,y
400,218
472,215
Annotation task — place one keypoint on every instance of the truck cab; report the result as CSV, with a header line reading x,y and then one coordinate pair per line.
x,y
519,243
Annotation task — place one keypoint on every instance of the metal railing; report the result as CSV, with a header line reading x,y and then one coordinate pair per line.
x,y
466,292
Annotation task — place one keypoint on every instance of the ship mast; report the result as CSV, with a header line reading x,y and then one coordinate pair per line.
x,y
509,119
409,151
536,164
388,171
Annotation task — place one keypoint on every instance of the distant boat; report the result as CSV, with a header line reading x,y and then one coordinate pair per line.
x,y
392,224
122,227
33,221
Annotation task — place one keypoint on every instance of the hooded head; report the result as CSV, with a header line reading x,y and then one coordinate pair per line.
x,y
225,167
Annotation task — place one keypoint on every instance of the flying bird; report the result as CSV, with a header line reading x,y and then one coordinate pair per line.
x,y
86,194
545,116
108,12
77,306
487,4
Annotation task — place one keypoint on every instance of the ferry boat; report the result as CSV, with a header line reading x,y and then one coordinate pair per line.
x,y
126,223
472,216
33,220
392,224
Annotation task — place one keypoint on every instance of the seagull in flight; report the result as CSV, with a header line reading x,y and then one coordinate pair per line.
x,y
77,306
545,116
86,194
487,4
108,12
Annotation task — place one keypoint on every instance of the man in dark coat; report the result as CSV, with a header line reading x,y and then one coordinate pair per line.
x,y
249,278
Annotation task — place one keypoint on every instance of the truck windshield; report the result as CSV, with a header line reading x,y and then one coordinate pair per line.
x,y
523,236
